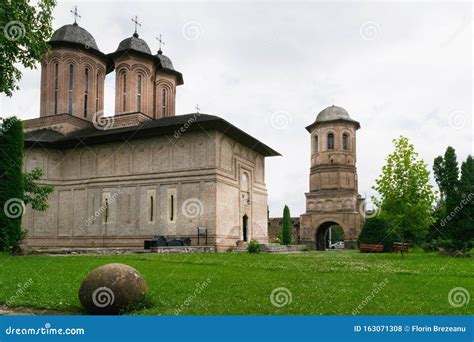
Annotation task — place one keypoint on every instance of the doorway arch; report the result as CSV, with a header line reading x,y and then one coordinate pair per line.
x,y
323,234
245,228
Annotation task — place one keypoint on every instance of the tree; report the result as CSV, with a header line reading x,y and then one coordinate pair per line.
x,y
11,183
25,31
463,229
286,231
35,194
376,230
406,196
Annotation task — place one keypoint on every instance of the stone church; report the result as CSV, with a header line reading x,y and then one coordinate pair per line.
x,y
144,171
333,197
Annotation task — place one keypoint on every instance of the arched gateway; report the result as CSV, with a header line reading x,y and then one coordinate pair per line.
x,y
333,196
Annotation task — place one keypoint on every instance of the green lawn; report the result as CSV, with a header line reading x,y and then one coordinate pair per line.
x,y
327,283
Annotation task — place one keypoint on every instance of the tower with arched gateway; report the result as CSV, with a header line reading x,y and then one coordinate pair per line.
x,y
333,198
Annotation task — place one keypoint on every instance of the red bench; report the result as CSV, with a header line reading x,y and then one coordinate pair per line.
x,y
371,248
400,247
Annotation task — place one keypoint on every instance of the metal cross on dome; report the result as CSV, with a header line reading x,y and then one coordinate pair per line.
x,y
135,20
160,41
75,14
197,109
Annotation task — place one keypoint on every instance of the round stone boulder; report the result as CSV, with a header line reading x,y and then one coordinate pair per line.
x,y
112,289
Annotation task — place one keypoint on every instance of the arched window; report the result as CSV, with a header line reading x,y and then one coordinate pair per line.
x,y
330,141
86,90
163,101
316,143
56,87
139,93
71,88
345,141
124,90
152,208
97,93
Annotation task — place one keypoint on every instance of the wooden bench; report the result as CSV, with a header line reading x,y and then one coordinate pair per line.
x,y
400,247
371,248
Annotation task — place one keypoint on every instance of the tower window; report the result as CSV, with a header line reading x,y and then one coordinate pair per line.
x,y
151,202
97,93
86,90
124,90
139,93
56,87
345,141
163,101
330,141
316,143
71,88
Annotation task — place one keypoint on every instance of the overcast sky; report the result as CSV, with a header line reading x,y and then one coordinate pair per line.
x,y
270,68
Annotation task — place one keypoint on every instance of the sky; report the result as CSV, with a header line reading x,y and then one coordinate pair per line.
x,y
270,67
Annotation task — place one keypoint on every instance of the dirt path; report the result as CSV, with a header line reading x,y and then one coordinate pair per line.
x,y
22,311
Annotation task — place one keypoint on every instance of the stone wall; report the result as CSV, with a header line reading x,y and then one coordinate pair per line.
x,y
275,226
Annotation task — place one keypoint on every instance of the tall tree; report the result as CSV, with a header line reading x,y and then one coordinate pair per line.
x,y
286,231
25,30
463,231
11,183
406,195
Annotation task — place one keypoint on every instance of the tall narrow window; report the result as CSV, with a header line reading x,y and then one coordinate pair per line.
x,y
163,101
56,87
97,93
106,205
86,90
345,141
71,88
172,208
151,202
330,141
124,90
172,205
139,93
316,143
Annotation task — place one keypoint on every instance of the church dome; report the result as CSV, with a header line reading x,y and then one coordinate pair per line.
x,y
75,34
134,43
164,61
333,113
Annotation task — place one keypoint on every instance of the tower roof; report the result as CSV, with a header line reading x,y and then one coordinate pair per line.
x,y
134,43
74,34
333,113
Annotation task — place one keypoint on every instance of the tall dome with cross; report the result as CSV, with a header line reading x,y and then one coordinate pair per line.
x,y
333,197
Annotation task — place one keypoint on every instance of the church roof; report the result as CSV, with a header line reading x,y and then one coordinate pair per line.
x,y
164,61
134,43
333,113
75,34
165,126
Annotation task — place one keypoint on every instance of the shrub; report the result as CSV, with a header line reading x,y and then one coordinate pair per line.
x,y
286,231
254,247
377,231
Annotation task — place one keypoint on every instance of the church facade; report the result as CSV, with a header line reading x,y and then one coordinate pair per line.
x,y
122,179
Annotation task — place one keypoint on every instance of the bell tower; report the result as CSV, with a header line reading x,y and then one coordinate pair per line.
x,y
333,197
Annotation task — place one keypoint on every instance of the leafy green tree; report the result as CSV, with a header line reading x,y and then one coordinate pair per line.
x,y
463,231
406,195
25,30
376,230
286,231
337,234
36,194
11,183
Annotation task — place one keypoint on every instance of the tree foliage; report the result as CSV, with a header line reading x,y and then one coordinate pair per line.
x,y
25,31
286,231
376,230
406,195
36,194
